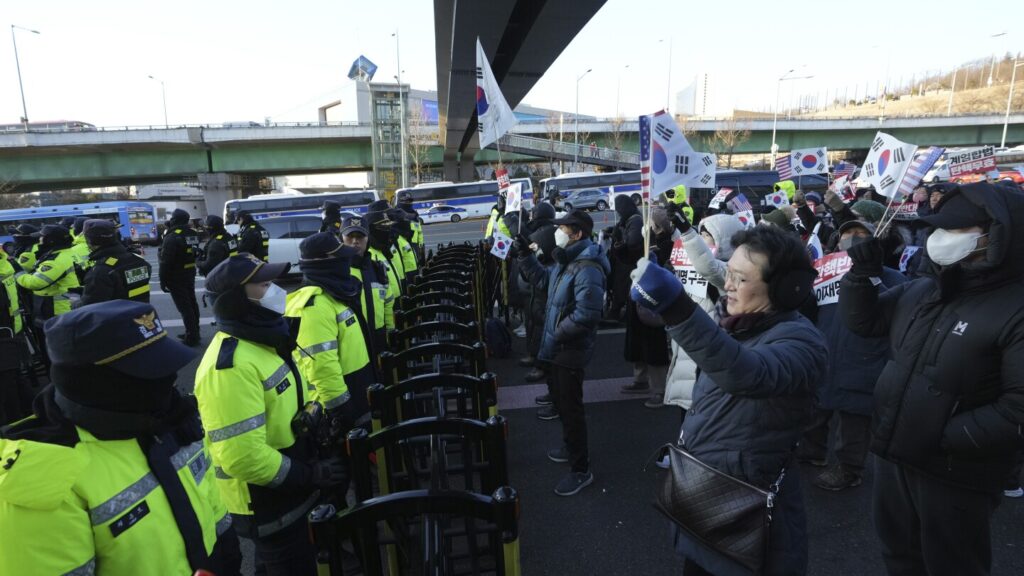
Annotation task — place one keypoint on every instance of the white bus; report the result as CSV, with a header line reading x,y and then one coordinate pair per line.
x,y
476,198
611,183
294,202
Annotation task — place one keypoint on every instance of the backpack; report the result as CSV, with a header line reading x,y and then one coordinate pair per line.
x,y
498,338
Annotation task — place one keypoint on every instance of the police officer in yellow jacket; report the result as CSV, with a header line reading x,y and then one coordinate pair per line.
x,y
378,302
116,273
250,392
252,237
26,246
379,248
178,272
110,475
54,275
221,245
496,222
786,186
79,249
333,333
415,222
15,391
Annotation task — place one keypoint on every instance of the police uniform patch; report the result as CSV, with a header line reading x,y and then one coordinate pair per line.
x,y
138,512
45,268
283,386
134,275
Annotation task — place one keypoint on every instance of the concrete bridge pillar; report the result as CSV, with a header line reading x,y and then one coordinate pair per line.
x,y
218,189
467,169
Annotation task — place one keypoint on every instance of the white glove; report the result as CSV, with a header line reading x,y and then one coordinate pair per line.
x,y
641,267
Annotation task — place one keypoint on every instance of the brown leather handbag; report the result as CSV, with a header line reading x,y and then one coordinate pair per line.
x,y
724,513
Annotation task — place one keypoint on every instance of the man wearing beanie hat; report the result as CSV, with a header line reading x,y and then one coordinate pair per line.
x,y
868,211
178,272
947,410
221,245
110,476
333,333
117,274
249,391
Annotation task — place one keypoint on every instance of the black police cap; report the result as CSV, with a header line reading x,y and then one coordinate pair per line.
x,y
214,221
97,228
354,224
79,222
124,335
54,233
319,245
242,269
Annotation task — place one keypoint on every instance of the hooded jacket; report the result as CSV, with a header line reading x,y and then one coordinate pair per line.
x,y
950,402
575,290
682,371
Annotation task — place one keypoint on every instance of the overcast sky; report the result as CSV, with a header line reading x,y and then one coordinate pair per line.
x,y
231,60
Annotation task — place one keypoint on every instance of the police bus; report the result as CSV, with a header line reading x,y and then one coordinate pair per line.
x,y
296,202
611,183
476,198
137,219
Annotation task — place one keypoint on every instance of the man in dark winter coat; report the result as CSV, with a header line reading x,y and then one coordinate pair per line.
x,y
220,246
331,219
252,237
627,248
575,286
845,392
117,273
178,272
949,407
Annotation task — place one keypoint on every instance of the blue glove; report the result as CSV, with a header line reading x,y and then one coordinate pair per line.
x,y
654,287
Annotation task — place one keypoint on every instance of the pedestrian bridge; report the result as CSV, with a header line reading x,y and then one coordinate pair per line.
x,y
118,156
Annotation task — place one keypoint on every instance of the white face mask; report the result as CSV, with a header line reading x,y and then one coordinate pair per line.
x,y
561,238
273,299
946,248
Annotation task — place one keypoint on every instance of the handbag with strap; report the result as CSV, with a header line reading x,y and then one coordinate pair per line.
x,y
726,514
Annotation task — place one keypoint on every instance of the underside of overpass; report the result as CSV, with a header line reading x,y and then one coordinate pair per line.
x,y
521,38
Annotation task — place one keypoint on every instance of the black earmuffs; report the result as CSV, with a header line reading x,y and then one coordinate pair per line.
x,y
788,290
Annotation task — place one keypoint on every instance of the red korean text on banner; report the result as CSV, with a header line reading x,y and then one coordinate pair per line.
x,y
694,284
502,176
831,270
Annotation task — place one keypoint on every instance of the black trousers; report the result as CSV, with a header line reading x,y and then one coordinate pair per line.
x,y
289,552
183,292
567,386
850,440
928,527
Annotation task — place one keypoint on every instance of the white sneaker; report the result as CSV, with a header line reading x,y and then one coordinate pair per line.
x,y
1015,493
521,331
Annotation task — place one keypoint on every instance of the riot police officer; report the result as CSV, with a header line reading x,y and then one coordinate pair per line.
x,y
379,245
116,274
219,247
250,392
26,246
15,392
111,476
331,218
252,238
54,275
79,249
178,272
378,301
402,235
415,222
333,332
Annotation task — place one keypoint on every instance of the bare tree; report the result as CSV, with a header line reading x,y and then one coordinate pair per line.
x,y
553,129
617,136
727,138
422,136
9,198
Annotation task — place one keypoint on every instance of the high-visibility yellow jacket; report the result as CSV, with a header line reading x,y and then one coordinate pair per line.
x,y
788,187
408,255
97,508
27,259
247,397
80,254
496,222
394,287
332,352
376,301
417,233
54,275
11,289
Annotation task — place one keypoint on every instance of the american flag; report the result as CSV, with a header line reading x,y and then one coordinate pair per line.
x,y
645,155
740,204
923,161
844,169
784,167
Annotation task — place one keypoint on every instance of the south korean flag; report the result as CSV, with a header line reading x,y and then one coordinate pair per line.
x,y
674,161
887,163
809,161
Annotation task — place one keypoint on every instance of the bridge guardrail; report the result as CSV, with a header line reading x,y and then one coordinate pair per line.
x,y
569,149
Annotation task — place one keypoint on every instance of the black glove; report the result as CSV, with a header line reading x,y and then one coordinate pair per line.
x,y
679,220
867,258
328,473
522,244
617,235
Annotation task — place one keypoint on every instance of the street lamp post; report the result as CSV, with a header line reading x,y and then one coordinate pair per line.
x,y
401,108
17,64
952,89
1009,99
576,124
163,96
775,114
992,68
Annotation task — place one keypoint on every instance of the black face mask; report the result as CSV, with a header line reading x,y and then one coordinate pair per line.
x,y
333,275
380,237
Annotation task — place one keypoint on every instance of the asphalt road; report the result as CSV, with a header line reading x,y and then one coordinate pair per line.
x,y
612,528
